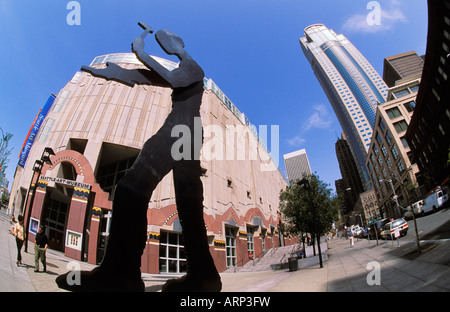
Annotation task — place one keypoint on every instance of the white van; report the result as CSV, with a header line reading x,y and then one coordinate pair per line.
x,y
435,201
417,206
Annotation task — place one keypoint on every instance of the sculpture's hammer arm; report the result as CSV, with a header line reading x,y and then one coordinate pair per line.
x,y
147,29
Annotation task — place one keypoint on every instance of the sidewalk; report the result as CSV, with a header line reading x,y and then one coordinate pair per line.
x,y
346,270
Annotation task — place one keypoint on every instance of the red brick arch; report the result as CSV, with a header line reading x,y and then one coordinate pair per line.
x,y
82,167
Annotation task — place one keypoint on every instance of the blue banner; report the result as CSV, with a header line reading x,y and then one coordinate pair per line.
x,y
34,130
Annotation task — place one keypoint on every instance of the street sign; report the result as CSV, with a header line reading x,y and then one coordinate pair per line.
x,y
397,232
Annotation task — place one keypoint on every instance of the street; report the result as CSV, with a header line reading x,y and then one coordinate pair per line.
x,y
432,226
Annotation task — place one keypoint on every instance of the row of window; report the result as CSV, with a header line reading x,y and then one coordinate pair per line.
x,y
385,152
172,255
419,136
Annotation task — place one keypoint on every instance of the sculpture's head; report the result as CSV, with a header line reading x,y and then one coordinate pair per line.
x,y
170,42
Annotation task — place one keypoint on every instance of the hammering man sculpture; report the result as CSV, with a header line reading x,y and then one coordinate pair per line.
x,y
120,268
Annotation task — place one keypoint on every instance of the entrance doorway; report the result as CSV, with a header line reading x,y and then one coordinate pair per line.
x,y
56,213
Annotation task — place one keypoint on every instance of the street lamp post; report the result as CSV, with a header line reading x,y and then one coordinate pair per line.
x,y
360,218
37,167
412,210
395,195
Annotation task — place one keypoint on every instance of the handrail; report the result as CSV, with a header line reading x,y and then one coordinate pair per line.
x,y
258,257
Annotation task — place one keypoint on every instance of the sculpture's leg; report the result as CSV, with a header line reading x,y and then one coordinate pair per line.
x,y
120,268
202,274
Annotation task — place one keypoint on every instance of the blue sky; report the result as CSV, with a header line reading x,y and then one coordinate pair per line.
x,y
250,48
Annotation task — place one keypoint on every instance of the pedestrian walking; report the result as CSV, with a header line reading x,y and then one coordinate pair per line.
x,y
350,237
40,248
17,231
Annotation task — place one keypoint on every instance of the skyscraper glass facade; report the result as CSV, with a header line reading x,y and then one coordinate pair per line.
x,y
351,84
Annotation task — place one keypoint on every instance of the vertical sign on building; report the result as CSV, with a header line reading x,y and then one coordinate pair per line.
x,y
34,130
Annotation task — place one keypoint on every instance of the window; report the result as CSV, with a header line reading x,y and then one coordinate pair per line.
x,y
401,93
250,244
384,150
172,258
417,139
389,163
401,166
393,113
411,157
109,175
60,100
394,151
375,149
380,161
405,142
441,129
76,77
46,129
382,125
410,106
388,137
230,245
401,126
436,94
380,141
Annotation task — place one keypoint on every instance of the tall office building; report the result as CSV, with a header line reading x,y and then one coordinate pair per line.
x,y
296,164
351,84
350,178
401,66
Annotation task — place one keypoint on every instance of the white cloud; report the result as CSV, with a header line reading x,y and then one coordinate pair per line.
x,y
389,14
296,141
319,119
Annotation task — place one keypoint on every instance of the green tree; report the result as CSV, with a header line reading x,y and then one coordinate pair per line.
x,y
5,151
308,205
4,200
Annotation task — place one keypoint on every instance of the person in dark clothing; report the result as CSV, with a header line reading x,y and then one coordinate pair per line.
x,y
120,268
40,248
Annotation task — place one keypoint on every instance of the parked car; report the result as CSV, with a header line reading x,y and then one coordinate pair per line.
x,y
356,230
389,228
435,201
417,206
364,232
377,227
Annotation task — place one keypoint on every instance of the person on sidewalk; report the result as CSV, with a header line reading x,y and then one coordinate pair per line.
x,y
40,247
350,237
17,231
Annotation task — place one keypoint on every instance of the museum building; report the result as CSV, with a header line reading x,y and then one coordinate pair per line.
x,y
93,131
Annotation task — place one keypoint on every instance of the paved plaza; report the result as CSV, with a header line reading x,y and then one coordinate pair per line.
x,y
367,267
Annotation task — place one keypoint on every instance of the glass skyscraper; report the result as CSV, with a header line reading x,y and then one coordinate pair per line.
x,y
351,84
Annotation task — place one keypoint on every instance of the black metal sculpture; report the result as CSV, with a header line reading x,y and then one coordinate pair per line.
x,y
120,268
